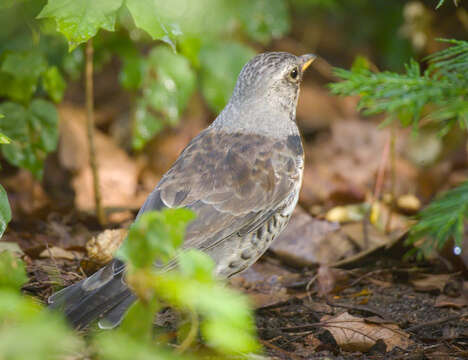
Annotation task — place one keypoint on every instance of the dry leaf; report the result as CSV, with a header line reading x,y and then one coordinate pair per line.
x,y
101,248
353,334
327,279
408,203
446,301
56,252
264,283
431,282
118,173
307,241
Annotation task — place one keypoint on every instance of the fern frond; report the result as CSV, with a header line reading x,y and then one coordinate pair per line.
x,y
444,85
452,59
442,218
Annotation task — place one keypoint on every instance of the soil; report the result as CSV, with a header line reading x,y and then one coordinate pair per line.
x,y
289,322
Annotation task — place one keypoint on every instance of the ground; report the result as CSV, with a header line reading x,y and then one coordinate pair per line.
x,y
422,308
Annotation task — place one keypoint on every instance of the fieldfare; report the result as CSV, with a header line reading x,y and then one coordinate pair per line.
x,y
241,176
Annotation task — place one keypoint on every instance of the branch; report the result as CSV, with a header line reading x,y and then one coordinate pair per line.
x,y
90,125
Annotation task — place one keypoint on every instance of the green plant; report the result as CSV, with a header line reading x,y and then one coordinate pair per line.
x,y
437,96
222,315
407,96
212,314
27,330
442,219
35,65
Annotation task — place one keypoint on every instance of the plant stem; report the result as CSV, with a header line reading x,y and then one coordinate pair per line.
x,y
90,125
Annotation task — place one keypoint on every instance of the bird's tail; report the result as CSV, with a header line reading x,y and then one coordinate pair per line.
x,y
104,296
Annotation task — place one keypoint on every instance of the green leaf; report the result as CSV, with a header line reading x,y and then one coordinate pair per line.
x,y
168,84
43,120
221,63
194,288
5,211
196,265
12,271
145,125
15,307
4,139
80,20
131,74
137,323
34,133
148,16
29,332
54,83
228,339
442,218
264,20
155,236
120,346
20,73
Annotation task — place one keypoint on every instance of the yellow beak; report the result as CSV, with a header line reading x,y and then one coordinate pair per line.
x,y
307,60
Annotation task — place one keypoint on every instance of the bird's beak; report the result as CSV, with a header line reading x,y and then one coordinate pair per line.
x,y
306,60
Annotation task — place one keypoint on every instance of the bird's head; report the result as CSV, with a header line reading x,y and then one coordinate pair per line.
x,y
272,79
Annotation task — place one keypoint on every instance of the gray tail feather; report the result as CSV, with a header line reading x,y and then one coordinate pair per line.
x,y
104,296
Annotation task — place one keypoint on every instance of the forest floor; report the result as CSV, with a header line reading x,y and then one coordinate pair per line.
x,y
374,307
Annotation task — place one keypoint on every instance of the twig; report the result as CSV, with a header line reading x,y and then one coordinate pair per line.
x,y
392,180
361,308
278,349
191,335
371,273
437,322
90,125
381,172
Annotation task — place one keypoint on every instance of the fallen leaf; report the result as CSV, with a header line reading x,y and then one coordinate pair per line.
x,y
56,252
118,173
265,283
101,248
327,279
431,282
307,241
341,166
25,193
347,213
409,203
353,334
447,301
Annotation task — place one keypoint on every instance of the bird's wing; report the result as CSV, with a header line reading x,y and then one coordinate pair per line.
x,y
233,182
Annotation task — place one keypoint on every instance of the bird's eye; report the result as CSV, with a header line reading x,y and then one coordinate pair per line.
x,y
294,73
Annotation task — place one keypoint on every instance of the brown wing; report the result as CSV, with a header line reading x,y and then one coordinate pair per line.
x,y
233,182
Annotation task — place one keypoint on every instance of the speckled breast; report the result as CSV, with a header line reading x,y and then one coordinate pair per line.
x,y
254,244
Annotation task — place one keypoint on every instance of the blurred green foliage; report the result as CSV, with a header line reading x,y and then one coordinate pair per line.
x,y
167,84
156,235
27,330
223,316
33,130
5,211
212,314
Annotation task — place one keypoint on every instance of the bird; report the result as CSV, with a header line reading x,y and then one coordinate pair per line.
x,y
241,176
